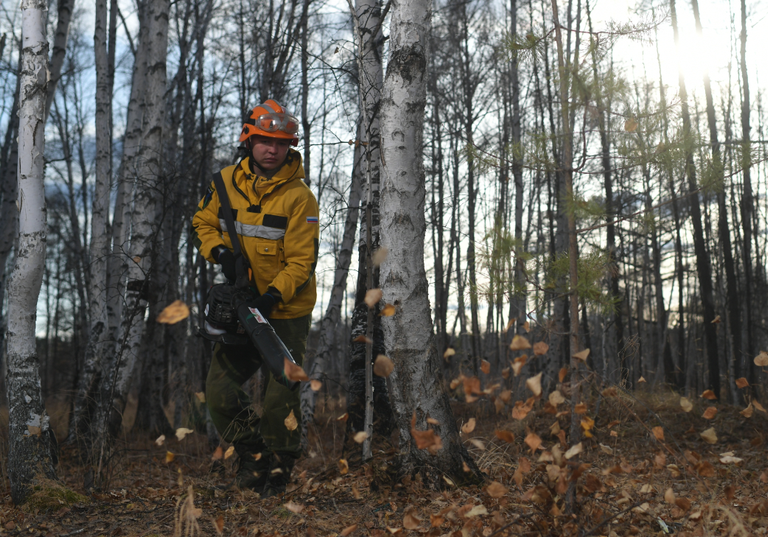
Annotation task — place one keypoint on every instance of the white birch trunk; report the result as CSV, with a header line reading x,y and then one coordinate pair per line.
x,y
141,163
99,249
29,453
416,383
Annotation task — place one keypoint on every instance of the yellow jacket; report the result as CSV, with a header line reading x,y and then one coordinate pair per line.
x,y
277,223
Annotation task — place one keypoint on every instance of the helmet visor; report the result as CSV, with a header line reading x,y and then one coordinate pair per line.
x,y
275,121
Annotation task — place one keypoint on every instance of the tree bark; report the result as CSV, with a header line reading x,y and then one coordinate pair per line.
x,y
29,435
144,167
408,334
703,266
59,51
746,204
732,298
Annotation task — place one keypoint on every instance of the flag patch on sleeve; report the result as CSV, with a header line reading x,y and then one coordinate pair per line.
x,y
311,220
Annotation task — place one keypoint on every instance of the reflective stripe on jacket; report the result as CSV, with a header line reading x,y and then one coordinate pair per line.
x,y
277,223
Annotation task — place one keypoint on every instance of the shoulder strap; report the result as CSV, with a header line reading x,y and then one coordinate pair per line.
x,y
241,264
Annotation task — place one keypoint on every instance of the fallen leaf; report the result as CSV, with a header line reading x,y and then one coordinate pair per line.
x,y
705,469
230,451
424,439
449,352
315,385
383,366
294,507
518,364
556,398
709,413
200,396
540,348
742,383
506,436
716,320
669,496
349,529
747,412
160,440
410,522
630,125
218,454
360,437
219,524
761,360
379,256
587,424
343,417
479,444
574,450
477,510
182,432
520,410
533,441
658,433
709,394
387,311
728,458
373,296
506,396
343,466
686,404
641,379
580,409
169,457
432,421
519,343
294,371
709,436
290,422
485,366
173,313
758,406
562,373
471,385
496,490
534,384
683,503
581,355
469,426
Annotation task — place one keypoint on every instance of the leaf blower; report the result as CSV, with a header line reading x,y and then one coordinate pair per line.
x,y
232,319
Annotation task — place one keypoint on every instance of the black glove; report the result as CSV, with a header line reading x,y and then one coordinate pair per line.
x,y
226,259
265,303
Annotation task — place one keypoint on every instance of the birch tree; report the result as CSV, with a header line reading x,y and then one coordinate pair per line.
x,y
416,381
140,166
29,453
99,247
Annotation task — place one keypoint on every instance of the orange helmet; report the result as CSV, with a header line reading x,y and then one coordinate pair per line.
x,y
273,121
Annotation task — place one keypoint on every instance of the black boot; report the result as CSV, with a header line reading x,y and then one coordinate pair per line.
x,y
253,468
279,474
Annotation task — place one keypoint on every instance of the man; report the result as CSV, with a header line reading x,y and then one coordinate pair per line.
x,y
276,216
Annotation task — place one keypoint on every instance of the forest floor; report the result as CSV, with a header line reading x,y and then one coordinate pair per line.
x,y
646,470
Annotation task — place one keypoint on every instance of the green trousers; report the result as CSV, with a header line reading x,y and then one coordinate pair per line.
x,y
230,407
